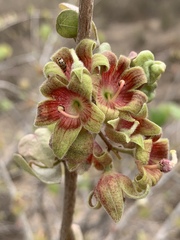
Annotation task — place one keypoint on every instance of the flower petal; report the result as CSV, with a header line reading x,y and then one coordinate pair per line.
x,y
148,128
84,51
131,101
50,85
94,122
99,61
83,88
106,76
65,133
64,60
122,64
134,78
52,69
47,113
160,150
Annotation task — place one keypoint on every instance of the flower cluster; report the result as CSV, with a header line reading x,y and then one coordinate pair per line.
x,y
92,94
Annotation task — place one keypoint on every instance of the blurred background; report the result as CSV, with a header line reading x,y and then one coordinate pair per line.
x,y
30,210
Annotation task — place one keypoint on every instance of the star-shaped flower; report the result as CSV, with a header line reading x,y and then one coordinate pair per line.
x,y
71,108
153,160
118,87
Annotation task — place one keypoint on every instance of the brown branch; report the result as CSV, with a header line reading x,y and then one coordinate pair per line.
x,y
69,204
66,233
85,19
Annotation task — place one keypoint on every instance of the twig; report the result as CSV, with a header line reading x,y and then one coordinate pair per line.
x,y
66,233
85,19
69,204
12,192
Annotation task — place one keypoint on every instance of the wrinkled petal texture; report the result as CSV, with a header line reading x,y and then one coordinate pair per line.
x,y
66,105
118,88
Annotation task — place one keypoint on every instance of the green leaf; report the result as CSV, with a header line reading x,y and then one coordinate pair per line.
x,y
36,146
67,24
46,175
164,112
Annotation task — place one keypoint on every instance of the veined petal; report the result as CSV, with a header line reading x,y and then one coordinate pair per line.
x,y
106,76
110,113
52,69
84,51
99,61
64,60
47,113
134,78
148,128
160,150
122,64
117,137
95,120
83,88
50,85
131,101
65,133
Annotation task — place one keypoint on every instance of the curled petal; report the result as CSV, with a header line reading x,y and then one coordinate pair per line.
x,y
84,51
64,60
148,176
131,101
134,78
97,205
50,85
52,69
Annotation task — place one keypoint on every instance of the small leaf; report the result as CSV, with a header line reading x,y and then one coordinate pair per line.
x,y
67,24
46,175
36,146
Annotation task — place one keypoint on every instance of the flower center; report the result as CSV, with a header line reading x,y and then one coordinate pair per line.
x,y
121,85
61,109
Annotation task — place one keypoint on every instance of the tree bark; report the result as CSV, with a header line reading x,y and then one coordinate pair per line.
x,y
85,19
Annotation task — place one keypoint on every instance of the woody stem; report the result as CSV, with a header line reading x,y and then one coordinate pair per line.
x,y
66,233
69,205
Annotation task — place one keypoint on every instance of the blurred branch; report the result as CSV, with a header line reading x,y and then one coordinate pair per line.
x,y
17,60
10,87
168,225
13,193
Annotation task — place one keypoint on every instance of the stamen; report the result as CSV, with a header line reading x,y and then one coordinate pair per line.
x,y
61,109
121,85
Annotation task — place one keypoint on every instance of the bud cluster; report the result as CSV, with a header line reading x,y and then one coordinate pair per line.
x,y
92,94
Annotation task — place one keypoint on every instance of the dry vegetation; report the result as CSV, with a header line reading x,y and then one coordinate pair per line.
x,y
31,210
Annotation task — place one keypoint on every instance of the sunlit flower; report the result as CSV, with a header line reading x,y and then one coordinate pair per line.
x,y
118,87
153,161
70,108
129,130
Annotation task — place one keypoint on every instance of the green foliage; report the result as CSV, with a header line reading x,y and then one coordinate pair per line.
x,y
5,51
6,104
67,24
164,112
44,31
